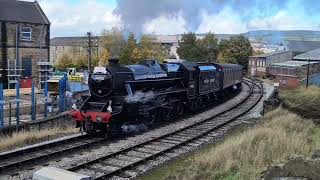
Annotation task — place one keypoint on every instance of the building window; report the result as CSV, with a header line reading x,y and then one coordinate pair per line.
x,y
25,33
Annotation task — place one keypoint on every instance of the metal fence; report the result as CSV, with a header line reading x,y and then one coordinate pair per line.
x,y
26,105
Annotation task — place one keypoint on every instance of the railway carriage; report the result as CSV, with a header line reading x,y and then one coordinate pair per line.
x,y
149,91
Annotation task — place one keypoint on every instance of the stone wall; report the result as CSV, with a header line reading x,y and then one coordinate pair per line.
x,y
36,49
297,167
38,36
56,52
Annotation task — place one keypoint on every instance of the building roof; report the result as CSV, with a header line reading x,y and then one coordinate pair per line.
x,y
269,54
292,63
300,46
68,41
22,11
312,55
166,38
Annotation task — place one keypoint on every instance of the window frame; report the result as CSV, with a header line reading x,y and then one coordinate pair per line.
x,y
24,38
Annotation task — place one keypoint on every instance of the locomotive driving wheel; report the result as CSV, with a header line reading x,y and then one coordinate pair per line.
x,y
151,118
178,109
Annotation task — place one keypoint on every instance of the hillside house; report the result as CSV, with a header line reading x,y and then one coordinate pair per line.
x,y
290,73
311,55
299,47
24,37
258,64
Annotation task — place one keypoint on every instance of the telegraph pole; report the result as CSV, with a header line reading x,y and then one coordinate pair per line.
x,y
89,52
308,72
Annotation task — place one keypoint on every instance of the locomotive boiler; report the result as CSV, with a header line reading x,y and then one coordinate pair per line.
x,y
148,92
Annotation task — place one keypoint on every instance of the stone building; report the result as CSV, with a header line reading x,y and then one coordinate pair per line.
x,y
290,73
24,37
258,64
72,46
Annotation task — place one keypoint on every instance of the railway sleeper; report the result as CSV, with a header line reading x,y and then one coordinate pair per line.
x,y
174,138
135,154
127,158
185,137
169,141
146,150
165,144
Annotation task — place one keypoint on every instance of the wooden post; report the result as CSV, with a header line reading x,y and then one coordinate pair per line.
x,y
18,102
308,72
46,99
89,52
1,105
33,113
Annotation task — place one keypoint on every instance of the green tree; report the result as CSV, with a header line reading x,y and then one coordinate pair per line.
x,y
133,52
64,62
125,55
81,62
187,47
113,41
104,55
148,49
236,50
208,48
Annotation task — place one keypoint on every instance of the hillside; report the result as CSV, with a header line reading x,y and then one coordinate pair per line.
x,y
275,37
247,152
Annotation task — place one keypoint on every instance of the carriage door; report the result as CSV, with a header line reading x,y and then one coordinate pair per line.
x,y
27,66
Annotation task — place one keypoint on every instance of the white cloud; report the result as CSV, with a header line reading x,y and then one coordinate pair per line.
x,y
282,21
225,22
166,24
77,19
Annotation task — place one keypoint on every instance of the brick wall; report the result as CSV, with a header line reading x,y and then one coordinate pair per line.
x,y
287,82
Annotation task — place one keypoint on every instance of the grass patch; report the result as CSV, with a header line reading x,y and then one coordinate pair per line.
x,y
19,139
305,102
246,153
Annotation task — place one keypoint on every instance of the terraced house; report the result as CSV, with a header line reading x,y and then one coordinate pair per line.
x,y
24,40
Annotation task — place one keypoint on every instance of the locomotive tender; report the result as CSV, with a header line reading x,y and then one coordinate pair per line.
x,y
148,92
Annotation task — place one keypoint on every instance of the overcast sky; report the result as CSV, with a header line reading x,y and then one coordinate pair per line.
x,y
76,17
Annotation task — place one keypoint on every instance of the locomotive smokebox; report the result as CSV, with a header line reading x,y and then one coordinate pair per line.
x,y
113,61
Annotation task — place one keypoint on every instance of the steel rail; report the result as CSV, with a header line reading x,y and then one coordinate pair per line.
x,y
175,133
33,153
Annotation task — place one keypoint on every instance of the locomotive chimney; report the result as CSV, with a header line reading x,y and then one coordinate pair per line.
x,y
113,61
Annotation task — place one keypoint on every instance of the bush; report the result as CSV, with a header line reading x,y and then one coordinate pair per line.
x,y
305,102
244,155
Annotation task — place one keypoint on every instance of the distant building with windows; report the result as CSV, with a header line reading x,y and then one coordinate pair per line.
x,y
24,39
71,46
290,73
258,64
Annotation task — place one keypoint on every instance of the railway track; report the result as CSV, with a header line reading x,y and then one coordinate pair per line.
x,y
32,154
119,164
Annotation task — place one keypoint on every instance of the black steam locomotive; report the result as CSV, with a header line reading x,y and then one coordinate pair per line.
x,y
148,92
